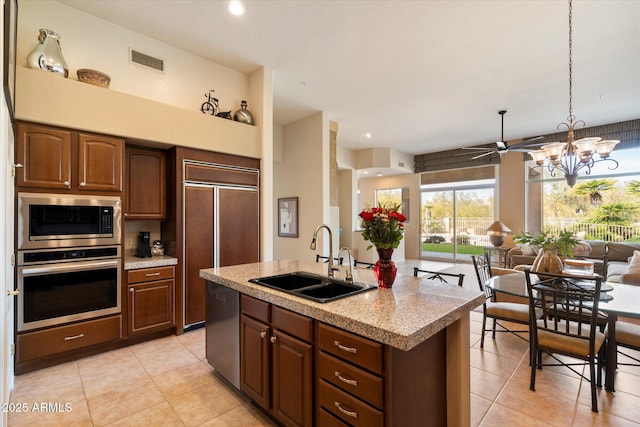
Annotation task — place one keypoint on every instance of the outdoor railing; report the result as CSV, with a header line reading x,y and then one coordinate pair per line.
x,y
473,230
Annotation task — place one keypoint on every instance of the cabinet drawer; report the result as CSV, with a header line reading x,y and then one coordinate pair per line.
x,y
292,323
350,379
33,345
255,308
325,419
150,274
347,407
361,351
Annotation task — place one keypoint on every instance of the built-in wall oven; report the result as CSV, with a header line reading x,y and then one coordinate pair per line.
x,y
64,285
69,260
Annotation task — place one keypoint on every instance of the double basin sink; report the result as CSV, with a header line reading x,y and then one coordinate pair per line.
x,y
313,287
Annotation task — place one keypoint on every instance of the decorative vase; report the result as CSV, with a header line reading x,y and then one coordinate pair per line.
x,y
547,261
243,115
47,55
385,269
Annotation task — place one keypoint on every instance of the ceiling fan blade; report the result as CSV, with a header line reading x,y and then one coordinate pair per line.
x,y
478,148
483,154
532,139
522,149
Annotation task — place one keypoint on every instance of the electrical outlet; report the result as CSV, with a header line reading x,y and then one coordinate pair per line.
x,y
128,243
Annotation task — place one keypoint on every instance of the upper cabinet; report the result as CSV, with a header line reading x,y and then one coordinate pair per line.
x,y
145,181
99,163
61,159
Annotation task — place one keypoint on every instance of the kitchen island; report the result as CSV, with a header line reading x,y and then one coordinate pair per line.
x,y
420,326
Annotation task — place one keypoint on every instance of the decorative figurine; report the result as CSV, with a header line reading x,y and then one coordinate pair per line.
x,y
210,106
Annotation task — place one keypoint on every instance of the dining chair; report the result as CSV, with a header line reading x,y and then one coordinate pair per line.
x,y
498,311
627,336
325,259
363,264
442,277
569,325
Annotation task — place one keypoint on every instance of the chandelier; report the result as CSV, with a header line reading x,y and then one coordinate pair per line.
x,y
570,157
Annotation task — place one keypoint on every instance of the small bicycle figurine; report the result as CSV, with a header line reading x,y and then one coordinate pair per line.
x,y
210,106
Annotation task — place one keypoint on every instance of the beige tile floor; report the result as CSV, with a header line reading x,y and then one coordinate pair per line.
x,y
167,382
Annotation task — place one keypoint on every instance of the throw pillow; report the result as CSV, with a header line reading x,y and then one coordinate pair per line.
x,y
582,249
527,250
632,275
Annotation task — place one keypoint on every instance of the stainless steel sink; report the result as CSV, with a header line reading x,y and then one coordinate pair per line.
x,y
314,287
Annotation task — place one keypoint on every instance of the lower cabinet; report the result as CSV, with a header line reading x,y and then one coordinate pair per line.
x,y
350,384
150,299
277,361
48,342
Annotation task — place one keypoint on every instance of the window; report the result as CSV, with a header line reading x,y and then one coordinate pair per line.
x,y
603,206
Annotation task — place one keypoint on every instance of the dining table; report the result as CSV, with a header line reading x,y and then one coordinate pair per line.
x,y
620,300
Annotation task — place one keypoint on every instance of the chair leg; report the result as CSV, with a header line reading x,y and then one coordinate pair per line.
x,y
532,385
484,329
494,329
594,398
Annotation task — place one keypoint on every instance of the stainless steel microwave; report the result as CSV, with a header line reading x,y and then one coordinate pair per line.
x,y
67,220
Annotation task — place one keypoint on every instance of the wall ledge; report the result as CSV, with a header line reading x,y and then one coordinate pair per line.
x,y
45,98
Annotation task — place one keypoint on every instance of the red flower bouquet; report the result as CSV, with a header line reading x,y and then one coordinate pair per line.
x,y
383,226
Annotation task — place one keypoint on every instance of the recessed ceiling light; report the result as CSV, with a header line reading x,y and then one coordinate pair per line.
x,y
367,135
236,8
365,172
379,173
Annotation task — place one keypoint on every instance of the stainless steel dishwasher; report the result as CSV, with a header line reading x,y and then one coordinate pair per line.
x,y
223,332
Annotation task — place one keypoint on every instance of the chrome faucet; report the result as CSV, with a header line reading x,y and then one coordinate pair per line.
x,y
349,276
330,267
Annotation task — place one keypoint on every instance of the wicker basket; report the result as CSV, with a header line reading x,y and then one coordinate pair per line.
x,y
93,77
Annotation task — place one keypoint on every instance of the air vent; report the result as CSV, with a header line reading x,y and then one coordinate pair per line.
x,y
146,60
400,164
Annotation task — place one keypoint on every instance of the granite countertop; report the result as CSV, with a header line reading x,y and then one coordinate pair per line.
x,y
132,262
412,311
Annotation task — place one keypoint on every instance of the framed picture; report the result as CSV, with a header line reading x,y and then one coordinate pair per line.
x,y
9,54
288,217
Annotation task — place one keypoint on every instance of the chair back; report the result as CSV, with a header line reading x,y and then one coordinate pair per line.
x,y
483,270
443,277
363,264
569,305
325,259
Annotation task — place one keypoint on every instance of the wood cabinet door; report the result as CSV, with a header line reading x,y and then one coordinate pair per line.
x,y
255,360
45,156
99,163
239,230
198,249
145,184
150,306
292,380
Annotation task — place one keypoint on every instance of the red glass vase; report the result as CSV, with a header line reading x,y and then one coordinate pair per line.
x,y
385,269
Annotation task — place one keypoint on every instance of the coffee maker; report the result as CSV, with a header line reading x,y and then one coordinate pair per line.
x,y
144,245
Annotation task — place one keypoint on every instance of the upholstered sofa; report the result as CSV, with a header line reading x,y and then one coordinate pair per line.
x,y
610,259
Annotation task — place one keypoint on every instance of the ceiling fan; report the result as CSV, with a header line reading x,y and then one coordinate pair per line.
x,y
501,146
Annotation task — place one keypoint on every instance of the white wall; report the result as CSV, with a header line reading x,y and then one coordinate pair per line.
x,y
304,173
90,42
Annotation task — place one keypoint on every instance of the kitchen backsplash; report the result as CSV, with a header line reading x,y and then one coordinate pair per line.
x,y
133,227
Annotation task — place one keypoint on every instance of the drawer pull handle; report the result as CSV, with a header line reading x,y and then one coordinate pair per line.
x,y
345,379
74,337
157,273
273,340
352,414
345,348
263,334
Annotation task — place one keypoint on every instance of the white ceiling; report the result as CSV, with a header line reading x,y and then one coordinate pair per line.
x,y
420,76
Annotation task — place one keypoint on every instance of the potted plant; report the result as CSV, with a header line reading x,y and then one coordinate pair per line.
x,y
553,248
